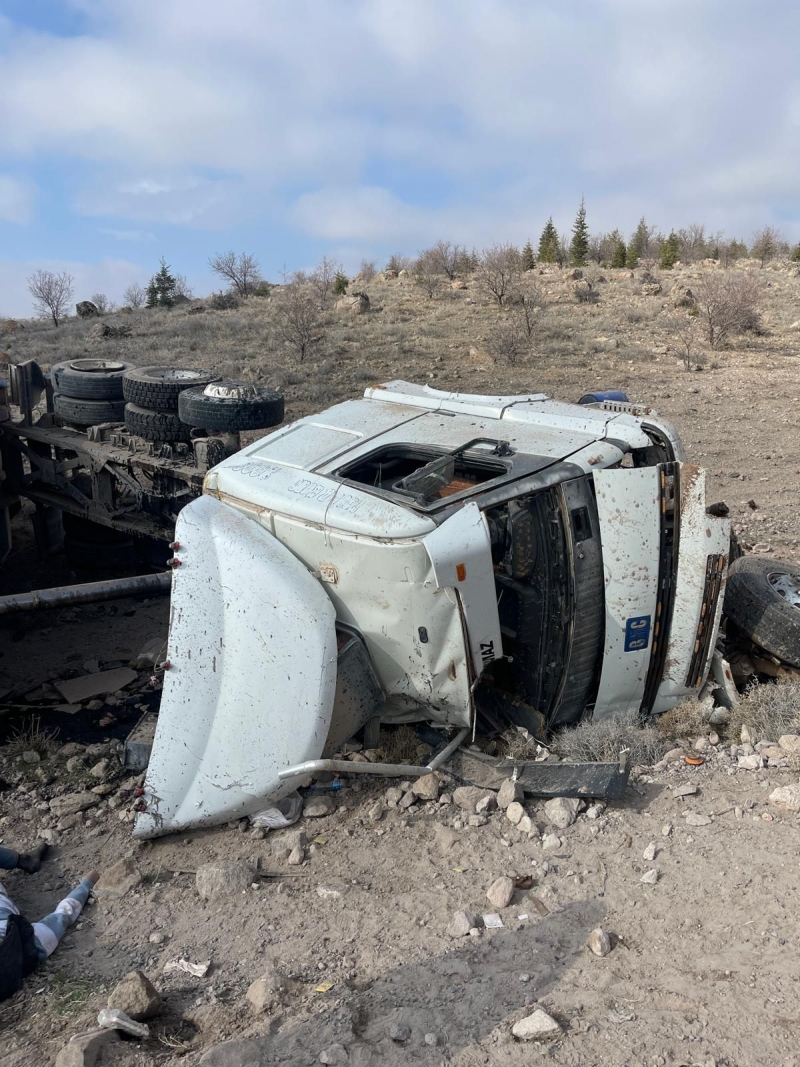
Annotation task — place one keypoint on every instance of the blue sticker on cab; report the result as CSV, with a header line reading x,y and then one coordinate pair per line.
x,y
637,633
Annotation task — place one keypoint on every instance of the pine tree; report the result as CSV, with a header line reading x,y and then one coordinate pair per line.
x,y
618,254
548,243
639,242
670,251
579,248
340,283
151,300
528,258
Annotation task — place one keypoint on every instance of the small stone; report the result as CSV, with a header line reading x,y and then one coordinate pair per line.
x,y
713,738
649,877
719,717
674,755
222,879
400,1032
393,796
666,829
375,812
75,764
265,992
51,836
746,736
562,811
650,852
461,924
31,757
526,825
514,812
750,763
696,818
594,811
599,942
427,787
790,742
100,769
157,938
788,796
136,996
83,1049
72,803
701,744
407,801
477,820
94,705
334,1054
551,842
118,879
500,892
468,796
487,803
510,792
317,807
296,857
431,1039
537,1027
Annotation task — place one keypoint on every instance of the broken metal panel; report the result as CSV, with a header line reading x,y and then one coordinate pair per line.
x,y
699,592
606,781
460,552
358,693
252,673
138,745
628,508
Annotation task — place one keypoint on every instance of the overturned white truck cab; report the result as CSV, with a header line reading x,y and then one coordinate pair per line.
x,y
412,555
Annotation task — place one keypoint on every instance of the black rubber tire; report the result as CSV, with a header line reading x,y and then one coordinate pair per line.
x,y
82,412
257,412
158,426
90,379
158,388
91,556
758,610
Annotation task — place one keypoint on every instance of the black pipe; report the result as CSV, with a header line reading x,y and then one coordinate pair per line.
x,y
88,593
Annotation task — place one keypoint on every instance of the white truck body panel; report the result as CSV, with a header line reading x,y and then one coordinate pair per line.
x,y
629,513
251,678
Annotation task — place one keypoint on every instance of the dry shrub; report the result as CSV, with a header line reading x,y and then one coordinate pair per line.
x,y
32,737
602,740
685,720
769,710
399,743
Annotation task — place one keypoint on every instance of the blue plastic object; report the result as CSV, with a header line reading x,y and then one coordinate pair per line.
x,y
601,397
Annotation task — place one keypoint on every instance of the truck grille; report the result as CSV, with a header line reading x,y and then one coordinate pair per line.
x,y
715,574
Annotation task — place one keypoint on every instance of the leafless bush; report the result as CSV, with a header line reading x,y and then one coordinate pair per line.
x,y
181,291
603,740
242,271
367,270
226,301
135,295
766,243
102,303
769,711
499,271
323,277
297,319
728,304
399,262
446,258
685,720
428,272
686,330
51,293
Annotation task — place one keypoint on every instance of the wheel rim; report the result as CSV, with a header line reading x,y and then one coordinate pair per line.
x,y
178,375
89,366
787,586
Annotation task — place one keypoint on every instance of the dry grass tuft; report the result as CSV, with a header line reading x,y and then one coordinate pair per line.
x,y
685,720
399,743
602,741
768,710
32,738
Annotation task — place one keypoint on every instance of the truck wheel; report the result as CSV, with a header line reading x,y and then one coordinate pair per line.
x,y
762,599
231,406
156,426
88,412
158,388
90,379
100,556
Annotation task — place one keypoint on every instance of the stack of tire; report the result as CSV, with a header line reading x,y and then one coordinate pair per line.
x,y
87,392
151,401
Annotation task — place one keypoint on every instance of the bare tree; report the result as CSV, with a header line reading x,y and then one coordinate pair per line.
x,y
182,289
51,293
428,272
446,257
241,271
103,304
297,319
516,332
686,330
322,278
135,295
367,270
692,242
499,271
728,304
766,243
399,262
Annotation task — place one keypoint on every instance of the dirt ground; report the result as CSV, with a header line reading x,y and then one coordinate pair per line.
x,y
703,969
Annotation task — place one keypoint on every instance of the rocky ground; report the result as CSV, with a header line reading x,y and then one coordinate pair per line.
x,y
339,940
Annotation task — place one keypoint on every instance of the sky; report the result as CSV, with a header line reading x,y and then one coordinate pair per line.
x,y
293,129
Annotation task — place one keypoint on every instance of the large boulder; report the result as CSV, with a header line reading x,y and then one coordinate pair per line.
x,y
356,303
388,275
682,297
136,996
651,289
85,309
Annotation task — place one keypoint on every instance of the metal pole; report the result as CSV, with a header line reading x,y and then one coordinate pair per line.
x,y
87,593
381,770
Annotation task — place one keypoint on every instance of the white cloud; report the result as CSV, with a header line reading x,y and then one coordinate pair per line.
x,y
16,200
395,120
